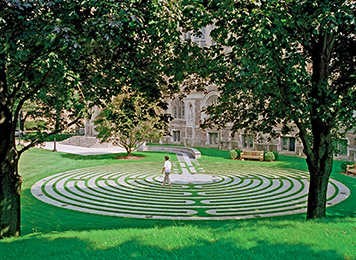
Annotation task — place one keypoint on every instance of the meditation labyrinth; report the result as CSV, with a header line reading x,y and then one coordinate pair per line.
x,y
138,193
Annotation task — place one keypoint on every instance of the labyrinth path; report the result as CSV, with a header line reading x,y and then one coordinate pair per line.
x,y
137,193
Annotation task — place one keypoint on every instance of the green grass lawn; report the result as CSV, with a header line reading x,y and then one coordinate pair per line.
x,y
56,233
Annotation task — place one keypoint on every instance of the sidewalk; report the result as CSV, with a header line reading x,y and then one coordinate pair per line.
x,y
82,150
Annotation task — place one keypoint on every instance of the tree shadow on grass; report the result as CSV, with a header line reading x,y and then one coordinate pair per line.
x,y
115,156
41,217
211,152
62,246
112,156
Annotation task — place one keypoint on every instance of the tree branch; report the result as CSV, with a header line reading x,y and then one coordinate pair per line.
x,y
29,61
37,54
28,96
304,137
36,141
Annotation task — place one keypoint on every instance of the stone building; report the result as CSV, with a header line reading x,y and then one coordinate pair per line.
x,y
185,128
188,114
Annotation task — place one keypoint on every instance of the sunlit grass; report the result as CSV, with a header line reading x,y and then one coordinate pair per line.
x,y
56,233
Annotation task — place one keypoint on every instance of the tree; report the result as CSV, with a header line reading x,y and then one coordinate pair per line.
x,y
285,63
84,51
29,62
130,120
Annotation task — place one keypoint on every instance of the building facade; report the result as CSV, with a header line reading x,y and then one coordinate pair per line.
x,y
188,115
185,129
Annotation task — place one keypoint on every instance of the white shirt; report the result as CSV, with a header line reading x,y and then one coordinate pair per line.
x,y
167,166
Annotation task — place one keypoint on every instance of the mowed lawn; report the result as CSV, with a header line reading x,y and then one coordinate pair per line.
x,y
56,233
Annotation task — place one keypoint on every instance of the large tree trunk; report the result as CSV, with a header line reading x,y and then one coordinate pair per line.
x,y
317,195
320,152
10,187
320,166
10,181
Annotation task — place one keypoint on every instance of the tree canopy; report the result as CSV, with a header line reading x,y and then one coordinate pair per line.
x,y
66,56
286,64
129,120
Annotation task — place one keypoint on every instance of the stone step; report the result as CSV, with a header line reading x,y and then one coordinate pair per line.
x,y
86,141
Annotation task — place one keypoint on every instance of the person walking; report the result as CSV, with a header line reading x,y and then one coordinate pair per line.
x,y
166,170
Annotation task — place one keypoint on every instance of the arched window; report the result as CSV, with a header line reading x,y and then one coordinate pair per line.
x,y
178,108
174,111
191,113
212,100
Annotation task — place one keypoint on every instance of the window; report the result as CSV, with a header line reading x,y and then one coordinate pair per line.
x,y
288,144
340,147
284,143
178,109
201,39
212,100
213,138
247,141
191,114
174,111
176,136
187,36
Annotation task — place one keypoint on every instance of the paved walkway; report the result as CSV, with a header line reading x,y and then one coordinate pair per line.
x,y
82,150
189,174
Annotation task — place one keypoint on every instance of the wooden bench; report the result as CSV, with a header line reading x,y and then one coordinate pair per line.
x,y
254,155
351,169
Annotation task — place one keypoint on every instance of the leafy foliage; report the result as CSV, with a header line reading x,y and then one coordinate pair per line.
x,y
272,75
64,56
288,64
344,164
81,54
129,120
233,154
276,155
269,156
58,137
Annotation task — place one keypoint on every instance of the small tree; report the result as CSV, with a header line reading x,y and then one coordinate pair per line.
x,y
129,120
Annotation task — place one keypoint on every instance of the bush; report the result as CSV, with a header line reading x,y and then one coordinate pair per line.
x,y
269,156
35,125
238,154
59,137
276,156
233,154
344,164
34,135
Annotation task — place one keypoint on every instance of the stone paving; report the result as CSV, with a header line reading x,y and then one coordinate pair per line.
x,y
74,149
137,193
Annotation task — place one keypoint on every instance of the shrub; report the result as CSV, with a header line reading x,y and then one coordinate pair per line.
x,y
238,154
233,154
34,135
276,155
35,125
269,156
59,137
344,164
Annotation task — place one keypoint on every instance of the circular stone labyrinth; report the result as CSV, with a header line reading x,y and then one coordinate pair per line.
x,y
236,195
